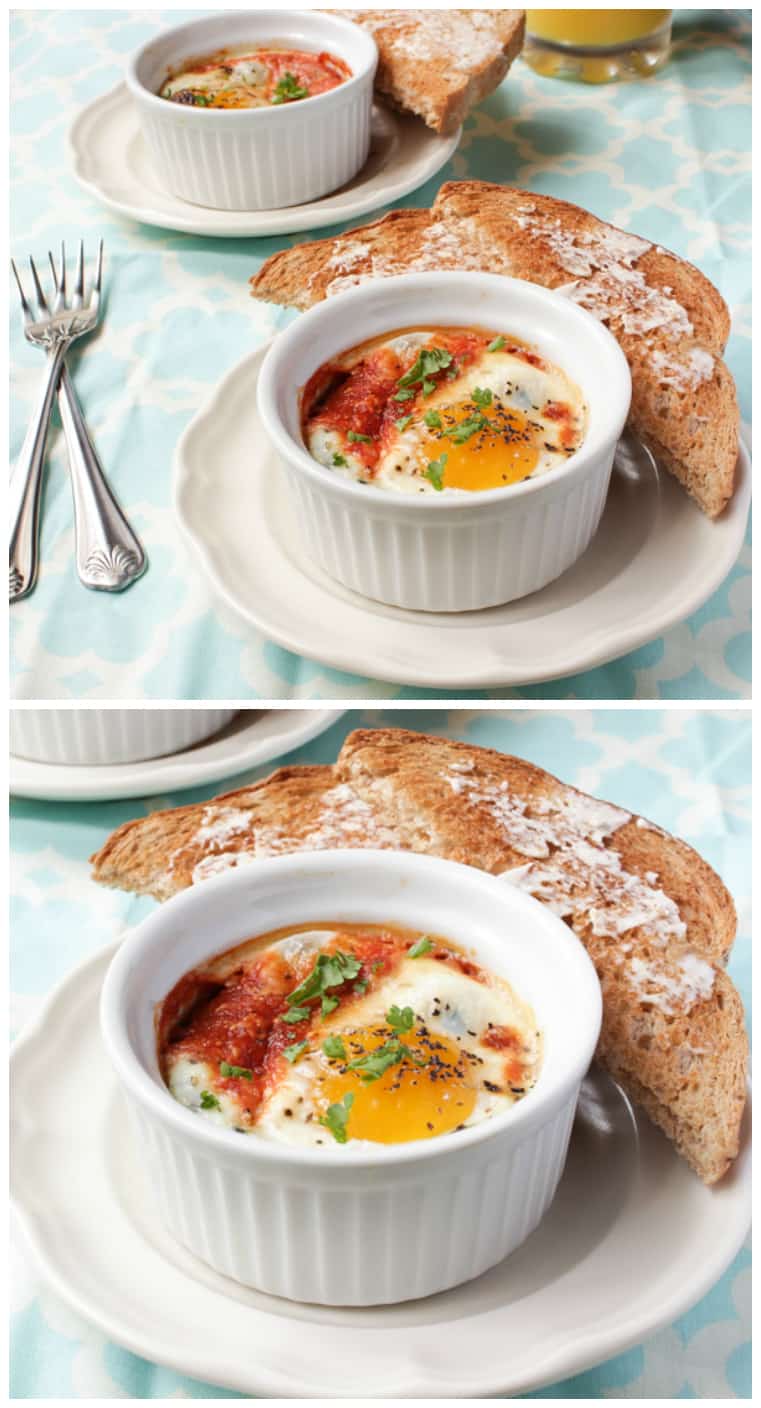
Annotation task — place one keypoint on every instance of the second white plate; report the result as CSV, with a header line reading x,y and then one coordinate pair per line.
x,y
632,1239
112,162
655,559
251,738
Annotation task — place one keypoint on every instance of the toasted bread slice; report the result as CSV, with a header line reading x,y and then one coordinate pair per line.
x,y
297,808
670,321
439,63
656,920
307,273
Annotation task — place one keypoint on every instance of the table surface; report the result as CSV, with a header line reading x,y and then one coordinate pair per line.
x,y
688,771
668,157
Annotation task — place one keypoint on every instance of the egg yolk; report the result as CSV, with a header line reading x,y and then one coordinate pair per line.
x,y
503,451
409,1100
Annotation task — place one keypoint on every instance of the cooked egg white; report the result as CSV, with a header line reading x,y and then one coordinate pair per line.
x,y
462,1083
516,441
245,78
451,1081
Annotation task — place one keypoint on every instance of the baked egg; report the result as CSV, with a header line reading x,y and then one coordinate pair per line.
x,y
254,78
350,1033
432,410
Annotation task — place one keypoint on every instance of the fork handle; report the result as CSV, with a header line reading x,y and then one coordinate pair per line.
x,y
25,489
109,556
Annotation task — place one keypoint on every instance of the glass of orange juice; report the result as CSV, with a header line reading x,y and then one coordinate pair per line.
x,y
597,46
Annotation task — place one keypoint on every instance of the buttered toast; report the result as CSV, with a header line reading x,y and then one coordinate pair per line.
x,y
655,919
439,64
670,321
295,809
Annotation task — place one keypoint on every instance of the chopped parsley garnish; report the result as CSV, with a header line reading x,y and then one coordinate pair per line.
x,y
339,461
422,946
403,422
334,1048
337,1118
358,438
241,1072
404,395
293,1052
296,1014
400,1020
331,970
481,397
428,362
432,420
209,1101
435,471
458,434
288,88
374,1064
360,987
497,344
377,965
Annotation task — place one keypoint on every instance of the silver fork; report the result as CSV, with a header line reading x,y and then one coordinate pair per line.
x,y
109,556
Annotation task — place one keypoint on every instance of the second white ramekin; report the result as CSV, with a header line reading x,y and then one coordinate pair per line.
x,y
442,553
344,1226
257,158
98,737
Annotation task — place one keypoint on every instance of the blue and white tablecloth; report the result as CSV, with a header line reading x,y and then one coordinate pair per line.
x,y
668,158
688,771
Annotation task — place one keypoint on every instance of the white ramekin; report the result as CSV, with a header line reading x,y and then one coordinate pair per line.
x,y
344,1226
257,158
101,736
441,553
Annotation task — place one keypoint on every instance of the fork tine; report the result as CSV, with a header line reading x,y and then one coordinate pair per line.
x,y
99,268
79,287
38,287
60,298
26,310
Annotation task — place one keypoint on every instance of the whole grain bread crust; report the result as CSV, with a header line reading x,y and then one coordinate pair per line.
x,y
670,321
392,788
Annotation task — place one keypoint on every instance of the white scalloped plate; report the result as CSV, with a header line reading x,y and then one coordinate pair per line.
x,y
111,161
632,1240
253,737
655,559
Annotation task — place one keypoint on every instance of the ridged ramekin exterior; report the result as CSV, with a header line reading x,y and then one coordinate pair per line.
x,y
264,170
98,737
262,159
355,1224
483,559
438,552
364,1241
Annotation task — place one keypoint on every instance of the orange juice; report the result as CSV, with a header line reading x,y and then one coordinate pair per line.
x,y
592,27
597,46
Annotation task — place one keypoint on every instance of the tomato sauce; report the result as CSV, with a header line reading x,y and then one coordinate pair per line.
x,y
231,1010
509,1040
289,75
233,1017
361,399
316,72
357,395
